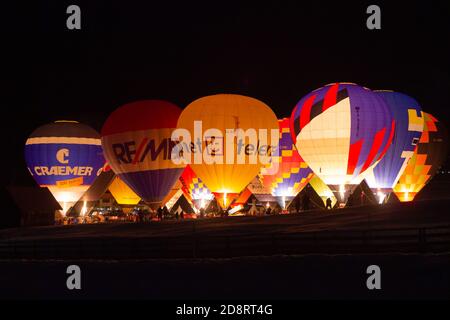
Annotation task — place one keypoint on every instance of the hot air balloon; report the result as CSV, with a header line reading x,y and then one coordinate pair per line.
x,y
340,130
322,190
195,189
174,194
229,137
262,192
123,193
136,140
65,157
291,173
408,120
428,156
241,201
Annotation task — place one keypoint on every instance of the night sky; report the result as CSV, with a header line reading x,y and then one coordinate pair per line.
x,y
275,52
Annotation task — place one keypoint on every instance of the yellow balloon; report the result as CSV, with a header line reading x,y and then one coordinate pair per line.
x,y
229,112
322,190
123,193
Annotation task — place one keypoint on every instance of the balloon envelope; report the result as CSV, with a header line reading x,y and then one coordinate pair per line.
x,y
408,118
289,174
224,199
242,199
136,140
261,191
122,193
66,157
429,155
194,187
172,197
228,113
322,190
340,130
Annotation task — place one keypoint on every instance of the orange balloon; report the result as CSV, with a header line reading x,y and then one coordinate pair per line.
x,y
226,164
123,193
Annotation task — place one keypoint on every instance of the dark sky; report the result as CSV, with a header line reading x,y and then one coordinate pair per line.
x,y
180,51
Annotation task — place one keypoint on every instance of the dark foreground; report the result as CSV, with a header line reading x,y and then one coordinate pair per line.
x,y
313,255
420,227
274,277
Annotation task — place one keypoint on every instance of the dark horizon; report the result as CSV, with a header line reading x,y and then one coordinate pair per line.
x,y
274,52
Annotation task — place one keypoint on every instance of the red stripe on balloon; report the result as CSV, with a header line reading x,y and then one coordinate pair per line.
x,y
305,112
330,97
139,150
353,156
142,115
377,141
391,136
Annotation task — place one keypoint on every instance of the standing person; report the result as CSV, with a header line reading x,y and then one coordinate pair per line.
x,y
139,217
328,204
350,200
253,210
160,213
298,204
165,212
182,214
306,202
363,197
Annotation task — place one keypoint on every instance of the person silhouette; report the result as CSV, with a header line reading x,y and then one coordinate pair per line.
x,y
328,201
298,204
305,202
160,213
165,212
202,212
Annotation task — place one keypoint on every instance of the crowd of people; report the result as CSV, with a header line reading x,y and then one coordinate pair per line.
x,y
302,203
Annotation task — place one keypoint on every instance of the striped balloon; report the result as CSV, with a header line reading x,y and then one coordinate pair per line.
x,y
66,157
136,139
409,121
341,130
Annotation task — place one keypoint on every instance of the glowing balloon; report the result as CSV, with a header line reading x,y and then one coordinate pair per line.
x,y
261,191
123,193
196,190
322,190
242,199
409,121
66,157
341,130
229,135
429,155
290,174
136,140
172,197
